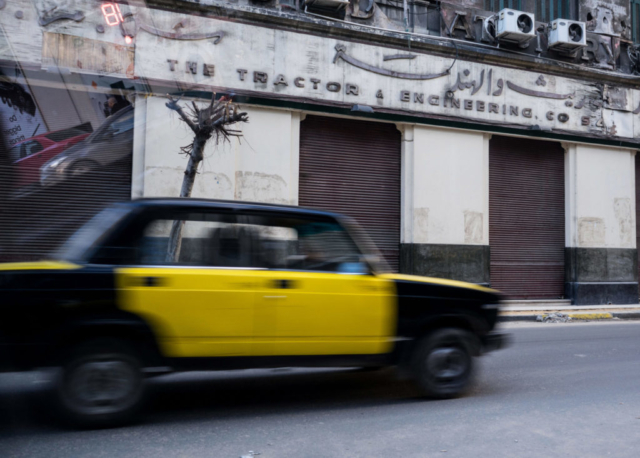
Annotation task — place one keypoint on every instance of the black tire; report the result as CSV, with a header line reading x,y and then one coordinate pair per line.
x,y
442,363
101,384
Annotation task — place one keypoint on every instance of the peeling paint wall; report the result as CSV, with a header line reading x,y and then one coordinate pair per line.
x,y
610,17
591,232
473,227
450,188
256,168
600,191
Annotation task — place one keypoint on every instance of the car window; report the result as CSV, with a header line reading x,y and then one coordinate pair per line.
x,y
244,241
30,148
122,124
14,153
119,117
84,244
327,246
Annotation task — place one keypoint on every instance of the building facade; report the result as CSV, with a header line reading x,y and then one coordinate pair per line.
x,y
486,141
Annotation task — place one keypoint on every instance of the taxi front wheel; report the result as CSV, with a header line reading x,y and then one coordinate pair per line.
x,y
101,384
442,363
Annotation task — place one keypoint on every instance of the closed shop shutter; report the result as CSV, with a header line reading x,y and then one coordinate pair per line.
x,y
526,217
353,167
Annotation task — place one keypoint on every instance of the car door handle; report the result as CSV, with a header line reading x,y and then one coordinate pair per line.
x,y
283,284
152,281
275,297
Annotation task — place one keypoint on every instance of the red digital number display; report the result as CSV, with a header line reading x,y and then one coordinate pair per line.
x,y
112,14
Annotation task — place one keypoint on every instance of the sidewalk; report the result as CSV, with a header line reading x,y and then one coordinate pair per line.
x,y
526,312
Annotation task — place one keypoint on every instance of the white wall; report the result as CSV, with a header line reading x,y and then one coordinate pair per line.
x,y
445,186
600,197
261,166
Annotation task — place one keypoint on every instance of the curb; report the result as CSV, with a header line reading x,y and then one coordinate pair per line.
x,y
576,316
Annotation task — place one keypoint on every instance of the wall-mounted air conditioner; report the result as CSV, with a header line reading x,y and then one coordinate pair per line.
x,y
515,26
567,36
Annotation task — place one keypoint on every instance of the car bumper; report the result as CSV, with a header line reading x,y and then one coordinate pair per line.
x,y
495,341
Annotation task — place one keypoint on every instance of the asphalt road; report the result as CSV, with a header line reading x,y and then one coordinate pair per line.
x,y
560,390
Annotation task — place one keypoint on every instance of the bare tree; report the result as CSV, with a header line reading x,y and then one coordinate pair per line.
x,y
213,121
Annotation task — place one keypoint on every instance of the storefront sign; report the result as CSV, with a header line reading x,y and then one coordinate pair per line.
x,y
258,59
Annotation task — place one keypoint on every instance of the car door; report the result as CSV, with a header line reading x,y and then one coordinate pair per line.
x,y
327,306
201,303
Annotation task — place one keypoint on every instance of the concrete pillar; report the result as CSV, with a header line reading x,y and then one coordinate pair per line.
x,y
139,149
601,260
445,204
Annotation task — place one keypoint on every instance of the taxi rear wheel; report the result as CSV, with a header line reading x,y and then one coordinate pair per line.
x,y
100,384
442,363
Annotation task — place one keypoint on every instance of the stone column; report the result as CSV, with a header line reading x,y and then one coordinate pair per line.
x,y
139,147
445,204
601,261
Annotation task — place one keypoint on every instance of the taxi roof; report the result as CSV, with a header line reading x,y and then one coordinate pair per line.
x,y
191,202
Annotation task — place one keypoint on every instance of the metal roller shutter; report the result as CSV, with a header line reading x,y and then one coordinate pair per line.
x,y
526,217
353,167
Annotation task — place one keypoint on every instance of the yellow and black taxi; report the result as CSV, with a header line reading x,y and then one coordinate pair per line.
x,y
185,284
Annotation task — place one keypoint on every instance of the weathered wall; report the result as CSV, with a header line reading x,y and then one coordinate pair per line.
x,y
600,197
446,206
263,166
189,50
451,187
257,60
601,256
608,17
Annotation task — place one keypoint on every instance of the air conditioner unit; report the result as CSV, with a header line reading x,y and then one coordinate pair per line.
x,y
567,36
515,26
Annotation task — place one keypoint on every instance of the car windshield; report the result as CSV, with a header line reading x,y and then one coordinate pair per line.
x,y
80,244
116,124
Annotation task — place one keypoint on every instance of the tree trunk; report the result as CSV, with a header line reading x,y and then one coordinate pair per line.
x,y
175,237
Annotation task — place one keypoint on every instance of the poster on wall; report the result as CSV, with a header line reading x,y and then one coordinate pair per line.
x,y
20,116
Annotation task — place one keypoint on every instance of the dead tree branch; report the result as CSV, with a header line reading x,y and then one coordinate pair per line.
x,y
205,123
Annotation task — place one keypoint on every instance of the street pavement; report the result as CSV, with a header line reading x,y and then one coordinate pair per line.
x,y
560,390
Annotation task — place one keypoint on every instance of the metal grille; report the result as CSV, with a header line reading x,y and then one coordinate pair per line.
x,y
526,218
38,222
545,10
635,20
548,10
497,5
353,167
